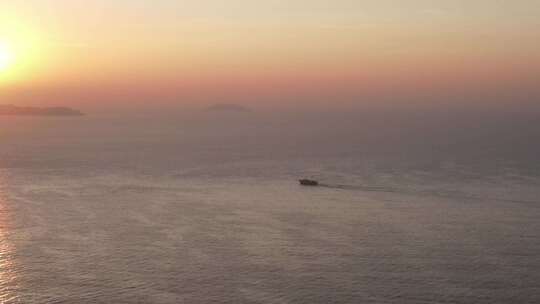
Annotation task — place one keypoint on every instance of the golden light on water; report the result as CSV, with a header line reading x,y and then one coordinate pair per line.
x,y
8,274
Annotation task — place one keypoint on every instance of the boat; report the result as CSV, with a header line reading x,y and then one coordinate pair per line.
x,y
308,182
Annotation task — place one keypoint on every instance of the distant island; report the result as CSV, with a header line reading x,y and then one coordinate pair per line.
x,y
228,107
38,111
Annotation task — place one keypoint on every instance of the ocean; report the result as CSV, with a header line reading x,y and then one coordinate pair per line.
x,y
206,208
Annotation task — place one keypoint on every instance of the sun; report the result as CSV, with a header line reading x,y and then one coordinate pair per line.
x,y
6,57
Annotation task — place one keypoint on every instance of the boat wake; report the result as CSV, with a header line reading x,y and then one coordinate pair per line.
x,y
437,193
363,188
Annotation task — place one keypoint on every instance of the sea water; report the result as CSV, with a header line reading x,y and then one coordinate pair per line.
x,y
106,209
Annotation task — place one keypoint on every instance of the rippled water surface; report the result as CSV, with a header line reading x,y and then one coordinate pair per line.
x,y
101,212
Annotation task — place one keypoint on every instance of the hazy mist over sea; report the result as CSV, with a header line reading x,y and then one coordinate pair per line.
x,y
270,151
418,206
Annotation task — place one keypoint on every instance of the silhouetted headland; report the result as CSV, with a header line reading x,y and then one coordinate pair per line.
x,y
38,111
228,107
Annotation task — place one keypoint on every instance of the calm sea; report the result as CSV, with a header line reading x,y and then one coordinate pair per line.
x,y
207,209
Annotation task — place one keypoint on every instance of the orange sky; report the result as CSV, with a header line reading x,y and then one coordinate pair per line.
x,y
269,52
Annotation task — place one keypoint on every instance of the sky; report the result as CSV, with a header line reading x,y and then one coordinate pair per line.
x,y
269,53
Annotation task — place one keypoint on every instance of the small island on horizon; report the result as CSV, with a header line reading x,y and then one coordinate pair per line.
x,y
14,110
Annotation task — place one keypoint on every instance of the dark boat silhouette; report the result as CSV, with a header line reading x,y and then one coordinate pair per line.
x,y
308,182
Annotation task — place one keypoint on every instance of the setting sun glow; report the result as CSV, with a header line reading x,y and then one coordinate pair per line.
x,y
6,57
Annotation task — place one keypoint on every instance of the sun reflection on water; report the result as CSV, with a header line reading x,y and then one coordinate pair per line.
x,y
8,273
